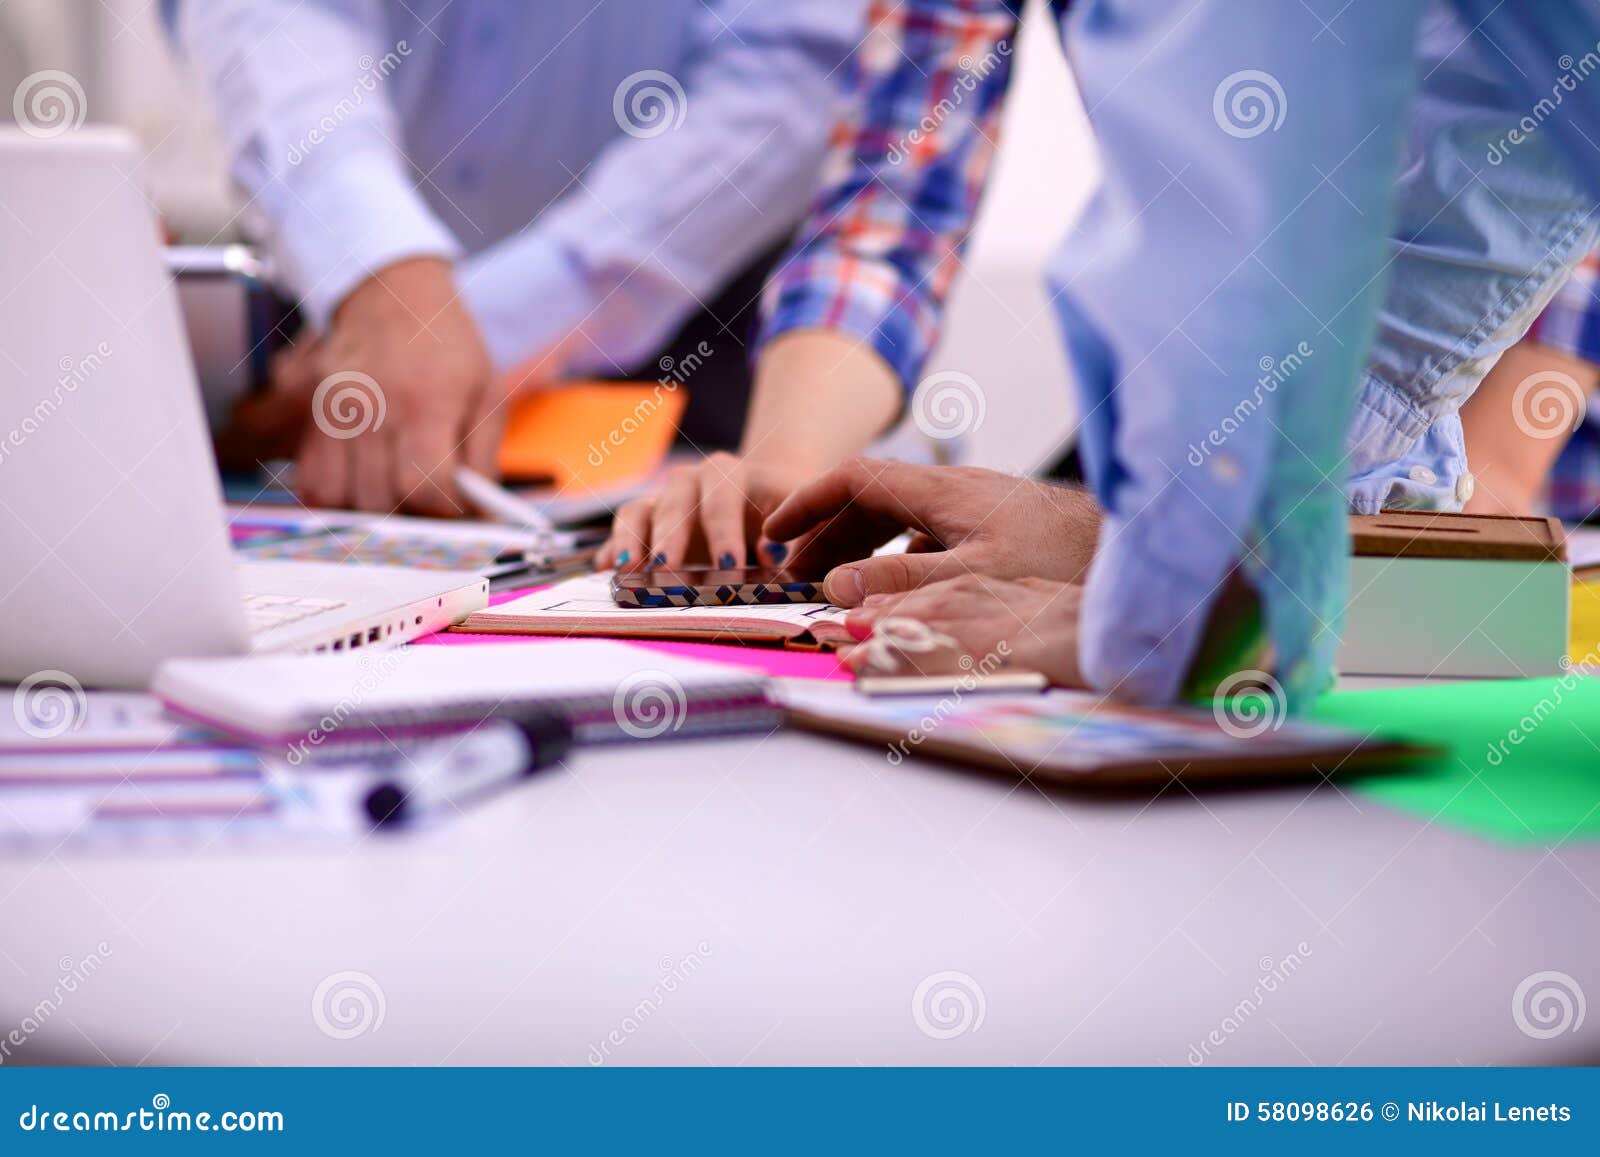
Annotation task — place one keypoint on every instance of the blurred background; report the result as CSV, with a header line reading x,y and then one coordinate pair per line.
x,y
1000,329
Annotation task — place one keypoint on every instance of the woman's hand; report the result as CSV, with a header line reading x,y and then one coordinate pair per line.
x,y
708,513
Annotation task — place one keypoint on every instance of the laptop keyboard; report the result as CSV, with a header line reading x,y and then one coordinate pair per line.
x,y
269,612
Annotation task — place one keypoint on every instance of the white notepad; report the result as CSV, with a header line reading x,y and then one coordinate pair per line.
x,y
609,691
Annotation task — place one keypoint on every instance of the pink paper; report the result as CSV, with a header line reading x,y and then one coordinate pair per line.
x,y
768,660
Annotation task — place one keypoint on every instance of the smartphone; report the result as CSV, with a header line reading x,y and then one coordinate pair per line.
x,y
711,587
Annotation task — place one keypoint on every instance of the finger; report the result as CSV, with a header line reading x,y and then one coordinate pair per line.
x,y
724,509
672,522
321,476
850,585
941,605
860,623
897,491
372,475
294,367
426,455
630,535
485,431
923,544
884,658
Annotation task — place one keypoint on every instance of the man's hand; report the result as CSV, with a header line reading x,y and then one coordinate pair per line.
x,y
405,393
965,521
272,423
1030,624
707,513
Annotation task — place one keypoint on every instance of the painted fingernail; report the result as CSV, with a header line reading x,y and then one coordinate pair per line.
x,y
624,557
849,584
660,559
725,561
777,552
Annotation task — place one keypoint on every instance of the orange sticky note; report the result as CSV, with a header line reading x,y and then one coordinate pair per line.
x,y
591,433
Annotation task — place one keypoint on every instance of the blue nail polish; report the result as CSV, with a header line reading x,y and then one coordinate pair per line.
x,y
660,560
622,559
726,561
777,552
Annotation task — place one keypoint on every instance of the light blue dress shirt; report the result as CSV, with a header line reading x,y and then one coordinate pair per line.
x,y
602,166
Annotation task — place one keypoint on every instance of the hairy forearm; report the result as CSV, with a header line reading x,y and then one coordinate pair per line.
x,y
820,396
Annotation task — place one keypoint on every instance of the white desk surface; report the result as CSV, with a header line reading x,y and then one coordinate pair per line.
x,y
816,886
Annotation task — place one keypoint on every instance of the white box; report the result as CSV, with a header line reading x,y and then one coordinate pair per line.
x,y
1456,594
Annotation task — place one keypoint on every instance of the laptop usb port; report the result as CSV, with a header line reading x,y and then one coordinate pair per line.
x,y
372,635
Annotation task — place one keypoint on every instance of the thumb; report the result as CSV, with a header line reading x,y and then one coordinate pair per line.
x,y
849,585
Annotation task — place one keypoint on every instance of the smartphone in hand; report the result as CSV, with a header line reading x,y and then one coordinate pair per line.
x,y
714,587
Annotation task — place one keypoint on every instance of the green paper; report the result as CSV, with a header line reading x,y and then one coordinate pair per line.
x,y
1524,754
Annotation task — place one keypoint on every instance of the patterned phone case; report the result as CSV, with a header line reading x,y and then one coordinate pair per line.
x,y
731,594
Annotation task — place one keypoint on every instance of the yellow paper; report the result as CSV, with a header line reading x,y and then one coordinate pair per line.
x,y
1585,642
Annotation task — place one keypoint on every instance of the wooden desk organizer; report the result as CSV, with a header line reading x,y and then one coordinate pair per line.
x,y
1456,594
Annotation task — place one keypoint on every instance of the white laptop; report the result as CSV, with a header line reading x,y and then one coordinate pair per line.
x,y
114,547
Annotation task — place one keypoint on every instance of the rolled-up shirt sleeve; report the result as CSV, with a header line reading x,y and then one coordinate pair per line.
x,y
712,166
311,137
905,171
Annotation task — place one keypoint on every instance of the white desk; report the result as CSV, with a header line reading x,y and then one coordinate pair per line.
x,y
824,885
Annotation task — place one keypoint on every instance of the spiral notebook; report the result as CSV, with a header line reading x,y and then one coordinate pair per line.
x,y
583,606
608,691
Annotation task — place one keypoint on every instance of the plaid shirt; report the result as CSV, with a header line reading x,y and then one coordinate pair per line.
x,y
923,97
1571,324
